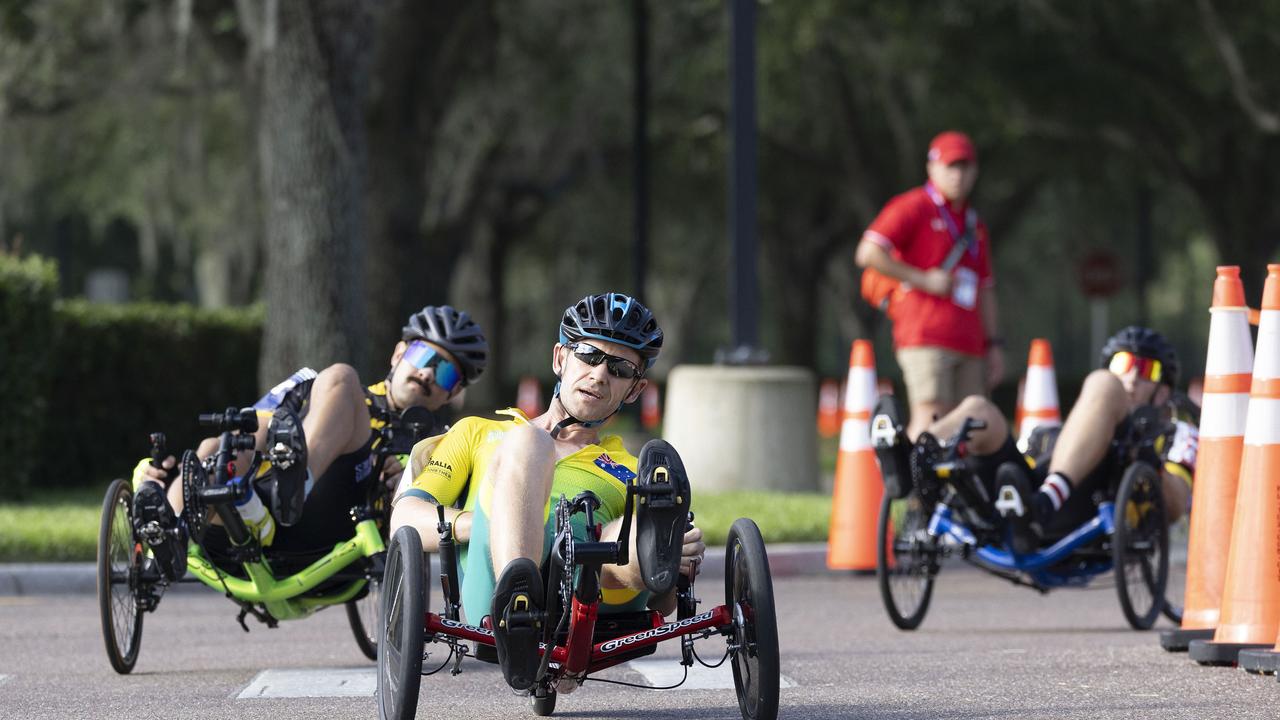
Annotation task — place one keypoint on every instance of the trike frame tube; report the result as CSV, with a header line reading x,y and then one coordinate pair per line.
x,y
1103,523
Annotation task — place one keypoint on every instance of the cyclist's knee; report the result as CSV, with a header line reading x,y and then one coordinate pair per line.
x,y
1103,393
526,453
340,377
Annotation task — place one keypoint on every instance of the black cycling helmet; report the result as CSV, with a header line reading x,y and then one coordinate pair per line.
x,y
1147,343
614,317
454,331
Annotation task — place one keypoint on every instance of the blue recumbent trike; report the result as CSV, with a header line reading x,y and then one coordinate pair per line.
x,y
940,508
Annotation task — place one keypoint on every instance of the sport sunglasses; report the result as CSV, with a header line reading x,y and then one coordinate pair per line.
x,y
618,367
423,356
1148,368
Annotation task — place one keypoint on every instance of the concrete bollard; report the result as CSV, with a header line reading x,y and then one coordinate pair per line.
x,y
744,427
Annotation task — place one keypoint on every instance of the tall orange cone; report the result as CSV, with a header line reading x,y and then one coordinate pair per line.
x,y
650,413
1228,368
529,396
829,409
855,500
1250,612
1039,406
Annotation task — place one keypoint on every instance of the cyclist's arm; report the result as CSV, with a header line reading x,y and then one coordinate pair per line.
x,y
440,482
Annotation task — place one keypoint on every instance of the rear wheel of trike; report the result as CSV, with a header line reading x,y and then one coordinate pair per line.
x,y
1140,546
906,560
364,613
753,647
400,638
119,569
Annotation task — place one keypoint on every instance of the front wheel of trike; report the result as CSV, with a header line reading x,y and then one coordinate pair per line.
x,y
1140,546
401,636
753,647
906,560
119,570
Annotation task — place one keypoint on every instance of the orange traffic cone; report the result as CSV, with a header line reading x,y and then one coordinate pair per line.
x,y
1228,366
529,396
829,408
650,414
1250,612
855,500
1039,406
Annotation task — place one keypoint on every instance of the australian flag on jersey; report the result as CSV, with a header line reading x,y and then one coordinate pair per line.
x,y
616,469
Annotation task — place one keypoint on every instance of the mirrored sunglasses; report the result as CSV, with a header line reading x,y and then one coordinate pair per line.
x,y
422,356
618,367
1148,368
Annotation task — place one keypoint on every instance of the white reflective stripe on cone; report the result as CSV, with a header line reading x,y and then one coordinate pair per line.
x,y
855,434
860,392
1267,364
1263,426
1230,343
1223,415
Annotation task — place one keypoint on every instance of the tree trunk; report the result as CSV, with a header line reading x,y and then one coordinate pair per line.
x,y
311,146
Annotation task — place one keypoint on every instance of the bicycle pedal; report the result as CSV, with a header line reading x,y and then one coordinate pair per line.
x,y
1009,502
282,456
659,492
884,434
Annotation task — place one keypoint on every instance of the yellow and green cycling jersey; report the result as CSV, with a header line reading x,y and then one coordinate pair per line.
x,y
454,473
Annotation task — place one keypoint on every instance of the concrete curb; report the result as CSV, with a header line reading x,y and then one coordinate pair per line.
x,y
785,560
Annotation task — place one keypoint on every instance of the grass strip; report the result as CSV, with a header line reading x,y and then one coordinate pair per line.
x,y
63,525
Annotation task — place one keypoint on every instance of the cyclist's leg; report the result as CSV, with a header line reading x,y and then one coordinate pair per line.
x,y
515,493
337,421
1086,435
986,441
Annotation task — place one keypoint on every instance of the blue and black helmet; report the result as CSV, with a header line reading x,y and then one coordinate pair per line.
x,y
614,317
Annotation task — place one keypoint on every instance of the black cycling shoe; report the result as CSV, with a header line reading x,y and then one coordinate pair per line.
x,y
286,484
155,524
662,515
1014,502
892,447
922,463
517,622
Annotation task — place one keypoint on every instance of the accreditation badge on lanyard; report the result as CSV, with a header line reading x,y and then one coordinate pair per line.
x,y
964,286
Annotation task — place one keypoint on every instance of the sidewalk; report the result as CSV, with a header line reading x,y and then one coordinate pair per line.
x,y
785,560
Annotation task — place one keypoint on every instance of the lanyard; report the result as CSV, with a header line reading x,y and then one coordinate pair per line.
x,y
940,204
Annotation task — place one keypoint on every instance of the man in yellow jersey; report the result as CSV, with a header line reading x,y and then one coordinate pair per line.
x,y
505,474
1139,370
324,426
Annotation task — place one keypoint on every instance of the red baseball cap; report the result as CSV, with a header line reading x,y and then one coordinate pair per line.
x,y
952,146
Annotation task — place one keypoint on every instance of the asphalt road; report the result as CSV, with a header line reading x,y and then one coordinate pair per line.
x,y
986,650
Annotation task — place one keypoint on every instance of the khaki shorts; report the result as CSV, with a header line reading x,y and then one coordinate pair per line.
x,y
938,375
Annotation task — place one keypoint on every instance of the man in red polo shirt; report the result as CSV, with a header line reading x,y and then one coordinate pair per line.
x,y
944,315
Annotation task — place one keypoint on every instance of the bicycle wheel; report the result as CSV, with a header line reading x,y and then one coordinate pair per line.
x,y
400,638
748,589
1140,547
906,560
1176,587
119,563
363,614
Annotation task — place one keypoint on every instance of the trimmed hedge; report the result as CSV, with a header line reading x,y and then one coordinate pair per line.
x,y
123,371
27,291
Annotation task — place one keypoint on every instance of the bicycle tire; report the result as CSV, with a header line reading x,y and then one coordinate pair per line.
x,y
906,578
119,562
1140,546
400,639
748,588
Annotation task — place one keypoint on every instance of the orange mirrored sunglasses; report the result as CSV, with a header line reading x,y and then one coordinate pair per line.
x,y
1148,368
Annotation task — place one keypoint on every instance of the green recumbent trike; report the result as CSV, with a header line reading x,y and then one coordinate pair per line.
x,y
268,584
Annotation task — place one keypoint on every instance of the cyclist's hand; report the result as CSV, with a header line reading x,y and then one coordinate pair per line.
x,y
936,281
692,552
159,474
391,471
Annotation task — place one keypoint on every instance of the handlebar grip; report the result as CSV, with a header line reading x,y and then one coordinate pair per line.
x,y
210,419
157,448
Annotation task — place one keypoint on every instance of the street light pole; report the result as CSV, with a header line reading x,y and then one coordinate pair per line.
x,y
742,178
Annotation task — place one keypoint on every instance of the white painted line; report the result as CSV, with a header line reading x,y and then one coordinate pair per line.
x,y
311,682
663,672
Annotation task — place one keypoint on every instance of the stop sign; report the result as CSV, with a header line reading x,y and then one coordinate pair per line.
x,y
1099,274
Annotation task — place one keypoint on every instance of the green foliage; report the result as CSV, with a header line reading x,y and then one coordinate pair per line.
x,y
27,290
122,371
